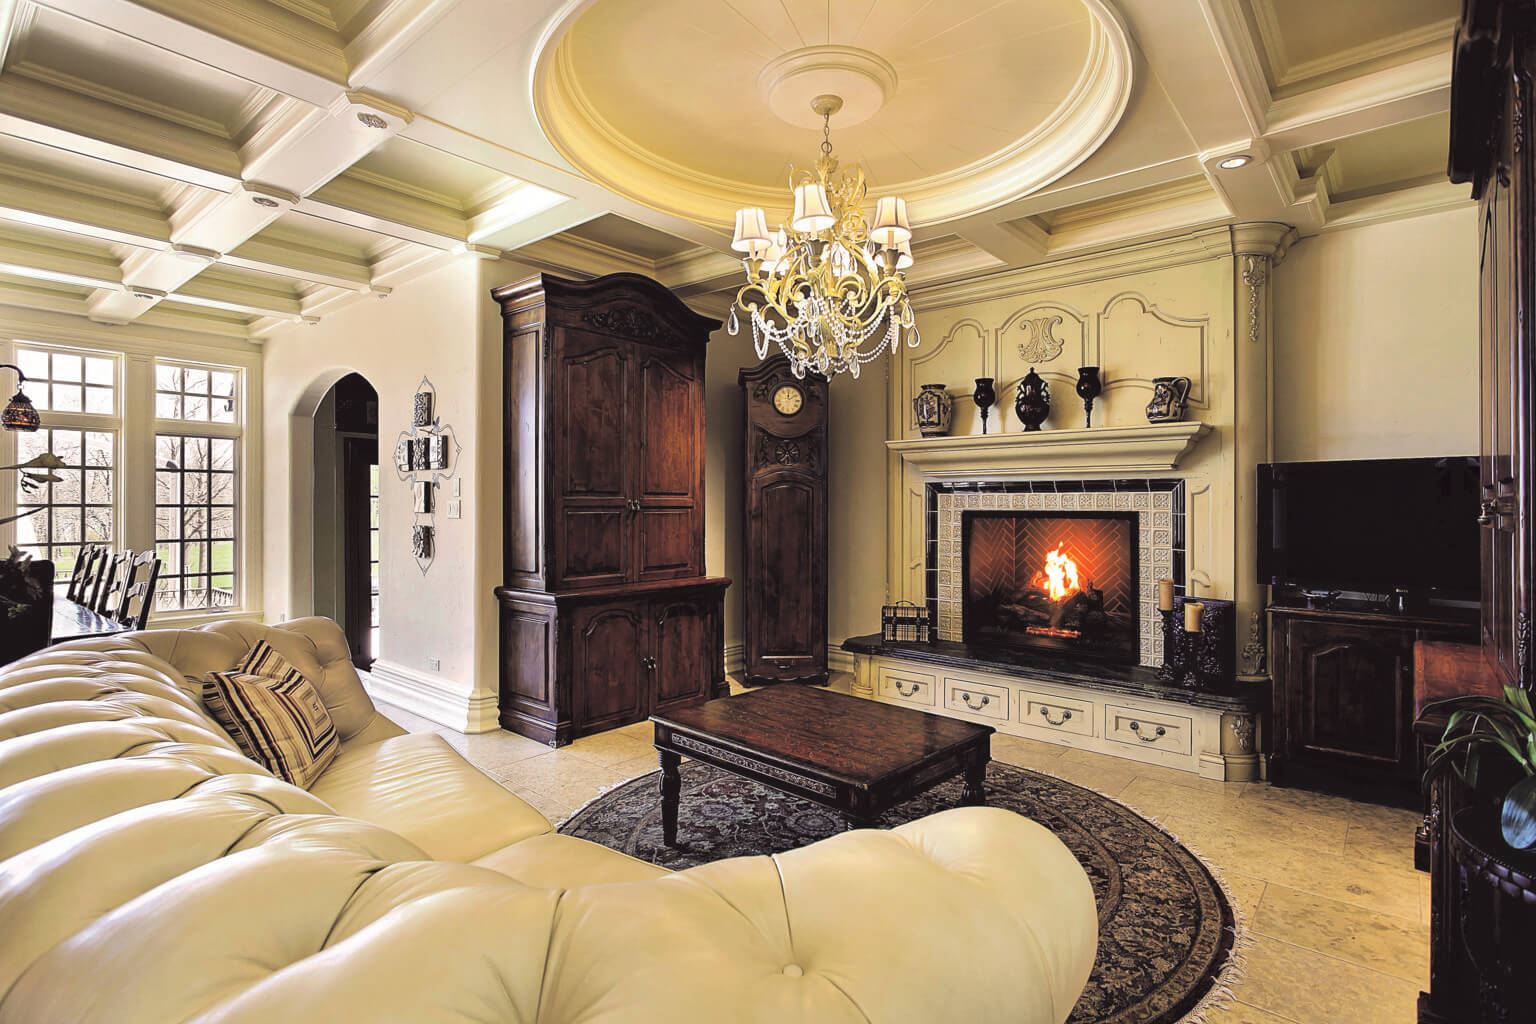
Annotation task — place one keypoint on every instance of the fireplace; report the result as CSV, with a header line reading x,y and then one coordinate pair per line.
x,y
1056,581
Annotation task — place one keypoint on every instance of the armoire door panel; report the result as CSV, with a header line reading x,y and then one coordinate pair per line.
x,y
1356,695
668,401
594,546
786,512
667,543
609,646
594,420
685,633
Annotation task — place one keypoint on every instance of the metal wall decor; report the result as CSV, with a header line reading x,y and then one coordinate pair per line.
x,y
426,458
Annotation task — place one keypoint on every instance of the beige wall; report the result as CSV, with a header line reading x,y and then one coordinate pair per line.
x,y
724,463
856,501
1375,341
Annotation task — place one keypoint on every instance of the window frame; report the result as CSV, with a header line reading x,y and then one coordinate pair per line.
x,y
235,432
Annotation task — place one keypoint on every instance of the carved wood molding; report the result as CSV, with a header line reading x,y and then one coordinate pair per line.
x,y
626,321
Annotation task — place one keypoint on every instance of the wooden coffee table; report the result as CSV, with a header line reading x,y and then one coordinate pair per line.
x,y
843,752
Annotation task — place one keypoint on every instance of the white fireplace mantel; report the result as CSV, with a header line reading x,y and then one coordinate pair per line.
x,y
1150,448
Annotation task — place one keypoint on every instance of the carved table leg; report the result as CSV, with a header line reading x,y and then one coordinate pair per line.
x,y
671,789
975,794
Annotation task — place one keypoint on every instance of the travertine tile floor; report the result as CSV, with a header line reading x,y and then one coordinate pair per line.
x,y
1337,917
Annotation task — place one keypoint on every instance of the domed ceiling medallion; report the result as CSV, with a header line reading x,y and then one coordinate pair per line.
x,y
695,107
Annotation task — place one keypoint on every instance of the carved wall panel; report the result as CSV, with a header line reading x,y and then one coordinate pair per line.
x,y
958,358
1138,340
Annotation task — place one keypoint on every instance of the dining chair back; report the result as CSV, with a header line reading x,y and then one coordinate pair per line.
x,y
139,590
113,581
80,575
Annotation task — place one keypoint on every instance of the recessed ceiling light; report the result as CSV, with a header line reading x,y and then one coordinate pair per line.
x,y
264,201
1232,163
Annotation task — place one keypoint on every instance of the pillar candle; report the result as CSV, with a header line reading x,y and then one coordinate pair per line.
x,y
1192,610
1165,595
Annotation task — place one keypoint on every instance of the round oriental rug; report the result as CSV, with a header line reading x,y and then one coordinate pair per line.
x,y
1166,928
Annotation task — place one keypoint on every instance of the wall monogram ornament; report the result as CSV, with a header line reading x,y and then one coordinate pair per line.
x,y
426,457
1255,273
1042,346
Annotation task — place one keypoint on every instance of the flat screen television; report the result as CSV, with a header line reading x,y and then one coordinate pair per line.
x,y
1371,526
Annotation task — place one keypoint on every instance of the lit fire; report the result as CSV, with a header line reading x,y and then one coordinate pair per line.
x,y
1059,578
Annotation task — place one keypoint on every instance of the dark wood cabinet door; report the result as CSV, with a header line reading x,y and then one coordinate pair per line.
x,y
787,512
593,423
1506,353
1353,695
610,644
668,479
686,641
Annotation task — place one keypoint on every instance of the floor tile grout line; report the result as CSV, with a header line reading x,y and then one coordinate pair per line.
x,y
1340,960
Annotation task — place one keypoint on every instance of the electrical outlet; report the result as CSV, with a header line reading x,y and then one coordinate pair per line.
x,y
434,665
455,509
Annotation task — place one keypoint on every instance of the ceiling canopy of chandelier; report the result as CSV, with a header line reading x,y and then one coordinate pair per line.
x,y
833,281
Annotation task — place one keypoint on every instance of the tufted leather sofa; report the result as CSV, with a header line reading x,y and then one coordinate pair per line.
x,y
149,873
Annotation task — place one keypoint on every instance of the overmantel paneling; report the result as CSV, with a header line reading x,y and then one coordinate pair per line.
x,y
1181,307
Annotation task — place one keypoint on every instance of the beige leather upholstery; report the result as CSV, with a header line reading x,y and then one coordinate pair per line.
x,y
150,873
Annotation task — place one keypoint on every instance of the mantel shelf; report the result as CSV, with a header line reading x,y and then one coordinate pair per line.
x,y
1149,448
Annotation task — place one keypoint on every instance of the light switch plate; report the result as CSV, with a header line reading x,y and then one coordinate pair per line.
x,y
455,487
455,509
434,665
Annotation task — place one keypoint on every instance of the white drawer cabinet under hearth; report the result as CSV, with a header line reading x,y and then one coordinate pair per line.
x,y
1216,738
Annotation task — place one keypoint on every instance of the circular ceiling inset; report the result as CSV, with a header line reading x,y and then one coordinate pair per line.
x,y
697,107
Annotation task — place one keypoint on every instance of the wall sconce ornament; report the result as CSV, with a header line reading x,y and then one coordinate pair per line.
x,y
426,457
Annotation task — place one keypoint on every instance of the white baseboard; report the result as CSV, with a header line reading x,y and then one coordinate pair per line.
x,y
443,701
838,660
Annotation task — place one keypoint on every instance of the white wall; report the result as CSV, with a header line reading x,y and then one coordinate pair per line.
x,y
1376,341
431,326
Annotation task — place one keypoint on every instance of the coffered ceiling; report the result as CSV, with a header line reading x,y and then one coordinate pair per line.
x,y
239,167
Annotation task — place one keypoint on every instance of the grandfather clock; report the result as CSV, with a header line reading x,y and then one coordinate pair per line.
x,y
784,542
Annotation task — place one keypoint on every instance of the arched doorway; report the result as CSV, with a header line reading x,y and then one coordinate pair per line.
x,y
346,513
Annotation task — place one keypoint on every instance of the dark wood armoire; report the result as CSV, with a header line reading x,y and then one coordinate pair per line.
x,y
1480,919
784,537
605,613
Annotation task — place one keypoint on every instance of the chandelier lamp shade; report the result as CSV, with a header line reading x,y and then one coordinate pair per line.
x,y
19,413
830,290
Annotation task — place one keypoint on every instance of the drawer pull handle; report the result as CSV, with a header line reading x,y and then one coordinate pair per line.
x,y
1066,716
985,700
904,692
1136,728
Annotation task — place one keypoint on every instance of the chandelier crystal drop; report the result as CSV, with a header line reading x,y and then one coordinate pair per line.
x,y
833,281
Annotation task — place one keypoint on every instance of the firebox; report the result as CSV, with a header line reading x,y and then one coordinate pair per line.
x,y
1055,581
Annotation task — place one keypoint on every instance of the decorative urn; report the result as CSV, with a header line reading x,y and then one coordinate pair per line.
x,y
1168,397
935,410
1033,402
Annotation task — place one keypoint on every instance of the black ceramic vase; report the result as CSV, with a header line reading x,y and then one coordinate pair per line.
x,y
1033,402
1089,387
985,398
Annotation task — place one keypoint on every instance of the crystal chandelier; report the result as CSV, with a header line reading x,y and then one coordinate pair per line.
x,y
824,288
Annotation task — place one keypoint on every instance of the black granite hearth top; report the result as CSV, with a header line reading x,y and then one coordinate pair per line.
x,y
1130,680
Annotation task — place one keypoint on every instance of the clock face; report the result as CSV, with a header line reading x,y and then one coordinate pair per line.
x,y
788,400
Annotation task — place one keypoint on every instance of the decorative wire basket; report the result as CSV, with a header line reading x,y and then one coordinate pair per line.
x,y
905,622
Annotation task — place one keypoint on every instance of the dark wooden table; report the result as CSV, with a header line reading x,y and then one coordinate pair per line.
x,y
74,621
846,753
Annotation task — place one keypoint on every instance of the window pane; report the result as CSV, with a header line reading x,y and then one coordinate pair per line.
x,y
168,407
167,378
77,506
98,371
33,363
196,394
66,367
194,381
98,400
223,384
223,410
196,525
195,408
66,398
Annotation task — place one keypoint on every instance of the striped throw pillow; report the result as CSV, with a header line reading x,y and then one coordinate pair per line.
x,y
263,660
280,723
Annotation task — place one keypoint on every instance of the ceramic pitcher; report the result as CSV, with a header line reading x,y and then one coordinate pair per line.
x,y
1168,397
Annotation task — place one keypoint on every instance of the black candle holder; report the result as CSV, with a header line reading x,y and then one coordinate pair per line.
x,y
984,397
1172,669
1089,387
1203,660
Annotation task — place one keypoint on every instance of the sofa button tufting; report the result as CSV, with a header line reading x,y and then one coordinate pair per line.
x,y
793,970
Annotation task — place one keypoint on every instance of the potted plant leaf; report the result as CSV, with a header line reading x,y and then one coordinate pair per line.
x,y
1505,728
